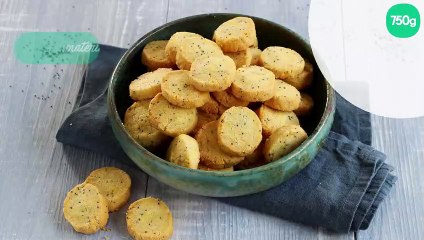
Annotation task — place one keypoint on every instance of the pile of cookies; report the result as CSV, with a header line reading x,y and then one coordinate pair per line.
x,y
226,104
87,206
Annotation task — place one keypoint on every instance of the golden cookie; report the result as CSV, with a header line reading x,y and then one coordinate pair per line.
x,y
286,97
171,119
202,119
184,151
147,85
85,208
253,160
253,84
256,54
222,109
302,80
139,127
305,106
236,34
149,219
272,119
283,62
175,42
178,91
282,141
212,73
211,106
154,57
113,183
211,154
239,131
255,43
242,58
227,99
205,168
193,48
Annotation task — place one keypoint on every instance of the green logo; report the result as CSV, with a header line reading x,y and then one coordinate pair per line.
x,y
56,48
403,20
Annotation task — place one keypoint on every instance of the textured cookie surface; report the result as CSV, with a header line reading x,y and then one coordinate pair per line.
x,y
272,119
171,119
284,62
305,106
137,123
178,91
236,34
242,58
286,97
302,80
282,141
175,42
256,54
147,85
253,160
85,208
154,57
253,84
149,219
184,151
227,99
113,183
211,155
212,73
193,48
239,131
202,119
211,106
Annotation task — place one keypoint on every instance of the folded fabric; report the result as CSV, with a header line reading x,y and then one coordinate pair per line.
x,y
340,189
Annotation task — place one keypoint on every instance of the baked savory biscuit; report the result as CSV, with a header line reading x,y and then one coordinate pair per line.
x,y
211,106
85,208
256,54
283,62
193,48
175,42
253,160
113,183
253,84
305,106
178,91
154,57
171,119
227,99
184,151
242,58
236,34
304,79
286,97
211,155
149,219
282,141
202,119
212,73
239,131
147,85
222,109
139,127
272,119
205,168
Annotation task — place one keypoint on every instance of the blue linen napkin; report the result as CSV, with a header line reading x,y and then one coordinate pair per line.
x,y
340,189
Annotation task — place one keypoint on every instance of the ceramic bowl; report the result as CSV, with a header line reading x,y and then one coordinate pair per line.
x,y
215,183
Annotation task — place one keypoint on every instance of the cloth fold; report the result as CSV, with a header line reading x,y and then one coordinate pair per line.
x,y
340,190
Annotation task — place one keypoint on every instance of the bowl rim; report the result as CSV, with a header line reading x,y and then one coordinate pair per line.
x,y
114,115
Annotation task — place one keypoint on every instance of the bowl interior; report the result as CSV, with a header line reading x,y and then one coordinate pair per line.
x,y
268,33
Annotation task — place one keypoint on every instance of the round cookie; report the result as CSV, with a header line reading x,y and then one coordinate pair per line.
x,y
149,219
85,208
147,85
272,119
205,168
139,127
228,100
236,34
211,155
178,91
193,48
253,84
154,57
282,141
184,151
256,54
304,79
113,183
305,106
171,119
212,73
283,62
202,119
242,58
286,97
175,42
253,160
211,106
239,131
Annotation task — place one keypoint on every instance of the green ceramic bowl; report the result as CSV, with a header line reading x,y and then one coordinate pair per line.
x,y
211,183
